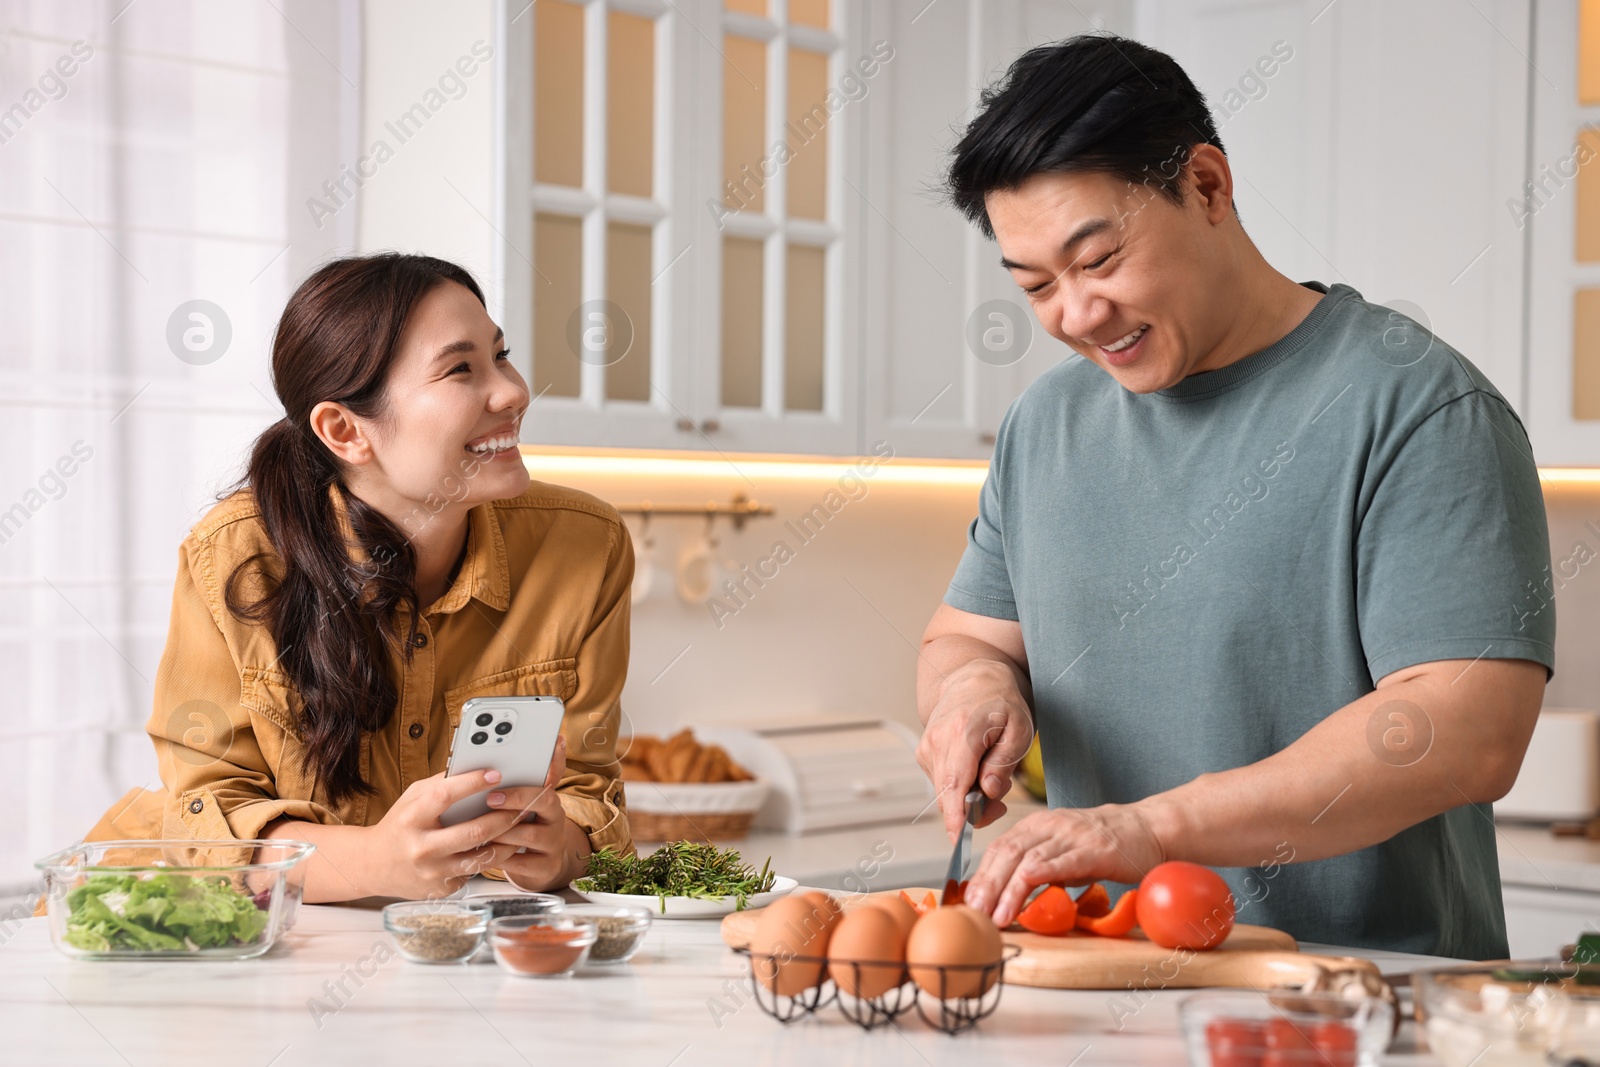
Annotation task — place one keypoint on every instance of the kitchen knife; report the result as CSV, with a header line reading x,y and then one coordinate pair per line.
x,y
961,858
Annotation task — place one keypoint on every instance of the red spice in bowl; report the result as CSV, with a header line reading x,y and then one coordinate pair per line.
x,y
544,946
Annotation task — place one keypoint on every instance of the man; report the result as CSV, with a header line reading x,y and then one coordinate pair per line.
x,y
1254,566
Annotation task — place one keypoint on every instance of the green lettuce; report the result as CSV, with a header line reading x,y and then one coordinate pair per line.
x,y
160,912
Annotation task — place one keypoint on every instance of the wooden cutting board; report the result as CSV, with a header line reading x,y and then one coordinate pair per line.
x,y
1252,957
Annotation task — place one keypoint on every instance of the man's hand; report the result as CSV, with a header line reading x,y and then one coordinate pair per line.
x,y
977,733
1074,846
973,697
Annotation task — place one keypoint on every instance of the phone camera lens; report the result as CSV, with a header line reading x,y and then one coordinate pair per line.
x,y
480,738
484,719
502,728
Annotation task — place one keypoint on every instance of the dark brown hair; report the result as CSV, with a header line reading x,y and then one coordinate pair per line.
x,y
333,615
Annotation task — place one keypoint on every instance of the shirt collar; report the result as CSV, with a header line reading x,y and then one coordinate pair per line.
x,y
484,573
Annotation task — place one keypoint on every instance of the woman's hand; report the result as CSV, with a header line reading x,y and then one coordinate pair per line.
x,y
1072,846
549,850
409,854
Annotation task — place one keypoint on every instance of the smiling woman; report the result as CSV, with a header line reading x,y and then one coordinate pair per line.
x,y
384,561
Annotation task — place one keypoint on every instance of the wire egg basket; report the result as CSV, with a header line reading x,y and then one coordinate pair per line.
x,y
953,1015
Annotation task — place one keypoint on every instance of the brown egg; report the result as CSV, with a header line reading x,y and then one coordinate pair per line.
x,y
789,928
904,915
863,936
824,901
954,935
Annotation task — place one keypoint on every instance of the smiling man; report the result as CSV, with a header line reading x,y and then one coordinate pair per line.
x,y
1250,563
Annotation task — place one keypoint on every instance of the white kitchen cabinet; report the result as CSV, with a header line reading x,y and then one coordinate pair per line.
x,y
1373,143
1380,153
934,277
1540,921
620,221
1564,269
903,272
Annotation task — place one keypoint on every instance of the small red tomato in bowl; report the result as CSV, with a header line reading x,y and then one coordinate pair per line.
x,y
1185,905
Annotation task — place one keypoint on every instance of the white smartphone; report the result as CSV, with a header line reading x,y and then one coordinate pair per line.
x,y
513,735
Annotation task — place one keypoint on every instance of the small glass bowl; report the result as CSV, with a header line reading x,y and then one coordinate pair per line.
x,y
1322,1029
436,931
620,930
510,903
1519,1011
552,945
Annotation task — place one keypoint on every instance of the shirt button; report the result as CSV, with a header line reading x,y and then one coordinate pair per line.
x,y
196,806
420,641
416,732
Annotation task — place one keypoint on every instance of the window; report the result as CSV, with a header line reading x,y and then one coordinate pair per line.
x,y
162,201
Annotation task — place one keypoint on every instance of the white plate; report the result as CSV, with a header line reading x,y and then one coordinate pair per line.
x,y
693,907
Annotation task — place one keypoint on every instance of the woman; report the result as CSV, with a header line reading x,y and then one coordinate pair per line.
x,y
385,560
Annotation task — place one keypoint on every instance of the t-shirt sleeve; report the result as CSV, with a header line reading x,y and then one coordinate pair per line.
x,y
1453,545
982,582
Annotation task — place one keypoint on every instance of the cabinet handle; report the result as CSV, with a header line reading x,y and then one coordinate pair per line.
x,y
706,426
986,438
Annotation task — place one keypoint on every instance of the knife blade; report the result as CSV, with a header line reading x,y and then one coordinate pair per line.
x,y
961,857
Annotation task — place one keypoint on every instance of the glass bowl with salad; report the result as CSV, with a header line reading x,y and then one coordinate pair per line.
x,y
173,899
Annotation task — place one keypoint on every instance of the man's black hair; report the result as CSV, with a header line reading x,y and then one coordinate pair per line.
x,y
1095,102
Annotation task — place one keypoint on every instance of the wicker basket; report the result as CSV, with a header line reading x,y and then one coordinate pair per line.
x,y
693,811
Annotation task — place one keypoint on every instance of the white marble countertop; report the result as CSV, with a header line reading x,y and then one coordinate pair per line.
x,y
1530,855
683,1000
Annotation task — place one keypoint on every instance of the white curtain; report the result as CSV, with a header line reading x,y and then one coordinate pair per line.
x,y
152,154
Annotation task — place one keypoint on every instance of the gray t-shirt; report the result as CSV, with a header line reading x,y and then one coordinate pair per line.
x,y
1204,573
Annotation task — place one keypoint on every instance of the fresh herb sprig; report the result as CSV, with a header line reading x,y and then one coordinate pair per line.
x,y
677,869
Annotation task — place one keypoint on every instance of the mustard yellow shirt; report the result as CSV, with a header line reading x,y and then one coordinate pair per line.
x,y
539,606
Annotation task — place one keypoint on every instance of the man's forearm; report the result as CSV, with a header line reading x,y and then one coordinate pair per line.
x,y
1430,739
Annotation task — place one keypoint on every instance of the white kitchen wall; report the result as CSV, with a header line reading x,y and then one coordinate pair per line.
x,y
834,632
1574,516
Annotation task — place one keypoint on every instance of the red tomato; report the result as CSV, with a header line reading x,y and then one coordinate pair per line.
x,y
1336,1044
1094,901
1118,922
1235,1042
1051,912
1288,1045
1185,905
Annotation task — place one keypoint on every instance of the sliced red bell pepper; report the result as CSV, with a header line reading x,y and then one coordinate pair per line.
x,y
1094,902
1119,922
922,907
1052,912
954,892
